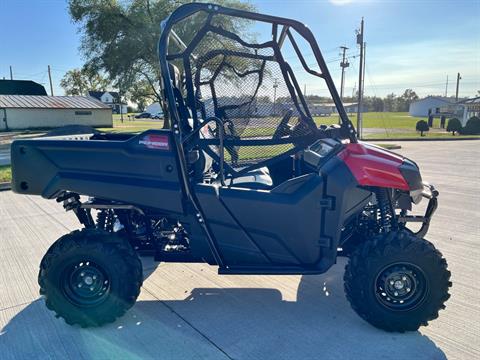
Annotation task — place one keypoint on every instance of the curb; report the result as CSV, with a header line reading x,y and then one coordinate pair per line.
x,y
427,139
4,186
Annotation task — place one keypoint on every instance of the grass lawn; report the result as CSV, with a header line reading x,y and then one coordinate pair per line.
x,y
415,135
5,173
389,120
376,125
133,126
370,120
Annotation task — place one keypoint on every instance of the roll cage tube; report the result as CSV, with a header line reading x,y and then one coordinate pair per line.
x,y
187,10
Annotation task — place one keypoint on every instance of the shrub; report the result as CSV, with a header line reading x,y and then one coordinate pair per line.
x,y
472,127
454,126
422,126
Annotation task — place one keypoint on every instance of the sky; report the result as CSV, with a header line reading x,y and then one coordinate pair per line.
x,y
410,44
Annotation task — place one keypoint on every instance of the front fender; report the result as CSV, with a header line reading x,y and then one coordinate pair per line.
x,y
373,166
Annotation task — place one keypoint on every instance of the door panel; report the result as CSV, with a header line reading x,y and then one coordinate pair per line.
x,y
286,226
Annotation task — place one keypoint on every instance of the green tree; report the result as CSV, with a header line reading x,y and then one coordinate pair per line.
x,y
141,93
472,127
404,101
454,126
121,37
422,126
390,102
373,103
80,81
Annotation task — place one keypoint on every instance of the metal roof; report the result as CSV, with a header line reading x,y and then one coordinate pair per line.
x,y
50,102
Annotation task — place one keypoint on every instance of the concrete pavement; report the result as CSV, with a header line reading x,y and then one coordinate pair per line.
x,y
190,312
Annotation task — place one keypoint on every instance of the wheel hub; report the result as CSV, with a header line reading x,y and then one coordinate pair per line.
x,y
401,286
86,284
398,284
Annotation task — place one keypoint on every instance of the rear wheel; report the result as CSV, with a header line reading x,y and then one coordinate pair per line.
x,y
90,277
397,282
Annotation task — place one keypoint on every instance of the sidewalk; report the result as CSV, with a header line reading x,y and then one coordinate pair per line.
x,y
187,311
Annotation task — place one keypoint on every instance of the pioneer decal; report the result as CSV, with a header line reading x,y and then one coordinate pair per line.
x,y
157,142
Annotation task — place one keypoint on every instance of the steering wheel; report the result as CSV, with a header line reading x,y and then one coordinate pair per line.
x,y
283,128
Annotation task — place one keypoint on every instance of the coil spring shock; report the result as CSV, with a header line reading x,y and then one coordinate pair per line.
x,y
383,203
104,220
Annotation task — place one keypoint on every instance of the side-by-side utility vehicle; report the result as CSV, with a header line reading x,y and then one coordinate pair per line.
x,y
245,178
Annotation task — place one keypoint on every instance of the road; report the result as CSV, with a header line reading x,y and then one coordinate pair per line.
x,y
190,312
4,155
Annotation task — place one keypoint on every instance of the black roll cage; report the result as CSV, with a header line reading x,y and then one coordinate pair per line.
x,y
279,37
187,10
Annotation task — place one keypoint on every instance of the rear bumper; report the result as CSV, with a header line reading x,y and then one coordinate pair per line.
x,y
429,192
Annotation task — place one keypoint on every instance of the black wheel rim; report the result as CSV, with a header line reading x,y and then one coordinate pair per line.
x,y
86,284
401,286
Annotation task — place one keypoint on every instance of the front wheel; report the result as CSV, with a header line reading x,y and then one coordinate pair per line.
x,y
90,277
397,282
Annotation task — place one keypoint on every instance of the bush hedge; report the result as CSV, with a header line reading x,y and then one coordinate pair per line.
x,y
454,126
472,127
422,126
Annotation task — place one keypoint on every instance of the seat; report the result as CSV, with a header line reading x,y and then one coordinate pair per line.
x,y
258,179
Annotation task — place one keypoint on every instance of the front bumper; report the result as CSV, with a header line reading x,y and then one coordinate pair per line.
x,y
429,192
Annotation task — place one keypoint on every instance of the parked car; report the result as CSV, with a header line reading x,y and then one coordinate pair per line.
x,y
143,115
157,116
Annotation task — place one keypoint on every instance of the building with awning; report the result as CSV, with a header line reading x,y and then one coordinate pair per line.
x,y
462,110
36,111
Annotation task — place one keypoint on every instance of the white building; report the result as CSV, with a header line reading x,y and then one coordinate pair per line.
x,y
154,108
110,98
430,104
34,111
462,110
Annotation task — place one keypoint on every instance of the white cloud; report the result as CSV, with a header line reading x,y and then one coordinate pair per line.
x,y
340,2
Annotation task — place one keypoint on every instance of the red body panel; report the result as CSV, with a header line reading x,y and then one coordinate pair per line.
x,y
373,166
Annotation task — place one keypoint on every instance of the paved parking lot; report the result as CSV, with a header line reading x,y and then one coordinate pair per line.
x,y
190,312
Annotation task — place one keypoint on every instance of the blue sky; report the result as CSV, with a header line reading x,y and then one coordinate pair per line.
x,y
410,44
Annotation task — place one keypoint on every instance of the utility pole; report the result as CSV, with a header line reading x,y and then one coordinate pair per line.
x,y
50,78
11,73
344,64
446,88
305,90
121,107
364,66
360,80
275,85
458,83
